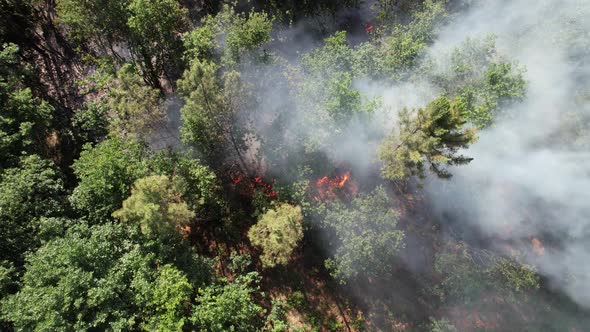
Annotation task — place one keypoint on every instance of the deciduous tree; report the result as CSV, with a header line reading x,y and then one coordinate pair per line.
x,y
106,173
366,237
80,282
25,119
27,193
228,306
156,206
155,27
278,231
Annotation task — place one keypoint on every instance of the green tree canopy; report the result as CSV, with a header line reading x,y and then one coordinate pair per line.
x,y
427,136
27,193
135,108
243,34
25,119
156,206
81,282
106,173
167,299
481,78
366,237
228,306
278,231
103,277
467,273
214,112
104,22
155,27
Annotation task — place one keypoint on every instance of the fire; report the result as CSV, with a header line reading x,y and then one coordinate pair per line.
x,y
250,185
345,179
336,182
538,246
329,187
267,187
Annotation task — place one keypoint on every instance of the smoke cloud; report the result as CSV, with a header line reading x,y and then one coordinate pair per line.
x,y
529,182
528,187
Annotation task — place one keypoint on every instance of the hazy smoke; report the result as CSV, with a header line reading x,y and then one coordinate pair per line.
x,y
529,182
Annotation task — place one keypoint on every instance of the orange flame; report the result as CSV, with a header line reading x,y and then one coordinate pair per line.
x,y
327,187
538,246
250,185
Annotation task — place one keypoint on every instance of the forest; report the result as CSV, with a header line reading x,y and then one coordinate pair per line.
x,y
295,165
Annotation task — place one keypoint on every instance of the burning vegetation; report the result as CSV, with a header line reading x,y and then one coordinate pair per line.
x,y
229,165
336,186
248,186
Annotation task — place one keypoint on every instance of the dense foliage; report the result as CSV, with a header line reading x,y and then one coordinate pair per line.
x,y
260,166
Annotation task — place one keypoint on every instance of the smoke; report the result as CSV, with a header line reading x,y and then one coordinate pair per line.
x,y
527,188
528,185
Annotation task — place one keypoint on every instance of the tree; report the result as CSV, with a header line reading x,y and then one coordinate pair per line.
x,y
427,136
27,193
155,26
135,107
365,236
106,173
90,124
480,78
278,232
467,273
167,298
441,325
491,290
101,277
156,206
150,27
80,282
401,50
244,35
214,113
216,116
328,82
327,100
198,184
228,306
104,22
25,120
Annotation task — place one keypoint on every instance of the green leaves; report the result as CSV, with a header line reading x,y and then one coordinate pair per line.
x,y
94,19
24,119
278,232
79,282
228,307
155,26
135,107
243,34
468,273
480,78
214,116
106,173
429,136
100,277
156,206
169,299
27,193
366,237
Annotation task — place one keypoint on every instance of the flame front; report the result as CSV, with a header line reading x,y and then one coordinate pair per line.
x,y
327,187
538,247
248,186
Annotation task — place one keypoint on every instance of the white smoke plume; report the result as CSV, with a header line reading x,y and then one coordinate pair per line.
x,y
529,182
